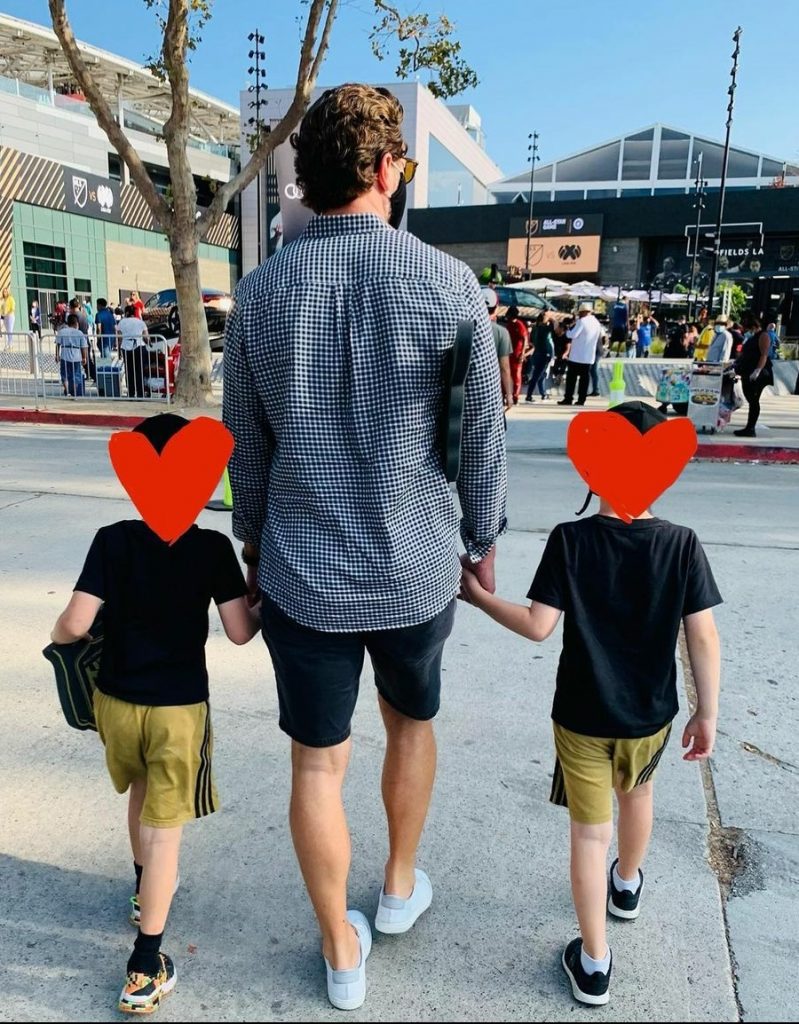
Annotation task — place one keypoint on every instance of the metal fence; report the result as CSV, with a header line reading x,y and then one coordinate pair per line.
x,y
29,368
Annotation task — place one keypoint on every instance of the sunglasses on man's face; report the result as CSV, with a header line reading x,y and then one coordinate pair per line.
x,y
409,170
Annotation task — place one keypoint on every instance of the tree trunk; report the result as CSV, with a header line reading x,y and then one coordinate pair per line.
x,y
193,386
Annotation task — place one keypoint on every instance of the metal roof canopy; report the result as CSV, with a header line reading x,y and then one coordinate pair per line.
x,y
32,53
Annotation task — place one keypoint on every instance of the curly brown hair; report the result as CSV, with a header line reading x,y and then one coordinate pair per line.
x,y
341,140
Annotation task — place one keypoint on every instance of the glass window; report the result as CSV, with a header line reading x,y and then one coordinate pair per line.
x,y
84,285
712,157
601,193
45,267
636,191
569,193
449,182
600,164
659,191
637,160
742,165
673,162
114,167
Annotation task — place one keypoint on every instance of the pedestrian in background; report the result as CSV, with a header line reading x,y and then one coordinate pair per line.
x,y
720,348
8,309
755,370
35,318
106,328
543,354
619,324
72,355
580,352
503,344
519,339
774,351
644,335
132,338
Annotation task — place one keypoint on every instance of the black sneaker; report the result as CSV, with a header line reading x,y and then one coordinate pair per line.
x,y
592,989
621,902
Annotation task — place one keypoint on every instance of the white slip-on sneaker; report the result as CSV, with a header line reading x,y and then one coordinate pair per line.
x,y
346,990
395,915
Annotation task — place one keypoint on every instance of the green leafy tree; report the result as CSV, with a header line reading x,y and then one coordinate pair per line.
x,y
181,23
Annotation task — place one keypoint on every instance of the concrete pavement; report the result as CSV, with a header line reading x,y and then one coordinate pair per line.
x,y
241,930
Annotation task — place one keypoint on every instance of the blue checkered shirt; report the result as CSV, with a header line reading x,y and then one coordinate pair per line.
x,y
333,386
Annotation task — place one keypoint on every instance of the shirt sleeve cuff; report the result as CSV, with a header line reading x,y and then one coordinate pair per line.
x,y
478,549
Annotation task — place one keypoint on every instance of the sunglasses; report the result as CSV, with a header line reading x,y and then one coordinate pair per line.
x,y
409,170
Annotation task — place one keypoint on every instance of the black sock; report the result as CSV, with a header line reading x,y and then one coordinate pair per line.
x,y
144,959
138,869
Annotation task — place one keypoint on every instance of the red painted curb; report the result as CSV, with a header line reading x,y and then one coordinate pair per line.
x,y
748,453
75,419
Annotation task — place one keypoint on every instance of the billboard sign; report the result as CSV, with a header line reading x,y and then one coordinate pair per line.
x,y
90,196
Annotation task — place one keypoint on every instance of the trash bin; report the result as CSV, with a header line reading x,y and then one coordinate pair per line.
x,y
109,380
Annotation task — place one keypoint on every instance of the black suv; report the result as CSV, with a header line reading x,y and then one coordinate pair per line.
x,y
162,317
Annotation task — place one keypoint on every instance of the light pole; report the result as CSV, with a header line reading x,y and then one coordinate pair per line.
x,y
256,55
532,158
699,205
717,238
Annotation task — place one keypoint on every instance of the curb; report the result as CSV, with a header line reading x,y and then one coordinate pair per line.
x,y
75,419
748,453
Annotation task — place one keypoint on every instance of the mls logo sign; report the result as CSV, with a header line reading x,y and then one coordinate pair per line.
x,y
80,191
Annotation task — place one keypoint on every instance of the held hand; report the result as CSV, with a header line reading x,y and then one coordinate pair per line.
x,y
699,736
483,570
253,592
471,587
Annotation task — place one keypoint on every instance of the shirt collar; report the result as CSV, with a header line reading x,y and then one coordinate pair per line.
x,y
326,226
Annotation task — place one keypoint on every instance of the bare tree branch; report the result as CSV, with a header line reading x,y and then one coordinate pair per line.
x,y
177,125
105,117
307,72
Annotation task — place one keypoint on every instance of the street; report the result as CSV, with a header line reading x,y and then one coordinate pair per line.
x,y
241,930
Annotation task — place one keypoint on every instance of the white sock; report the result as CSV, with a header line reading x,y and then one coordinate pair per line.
x,y
622,883
591,966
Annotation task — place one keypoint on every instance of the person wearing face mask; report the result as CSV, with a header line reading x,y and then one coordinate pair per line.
x,y
334,357
720,348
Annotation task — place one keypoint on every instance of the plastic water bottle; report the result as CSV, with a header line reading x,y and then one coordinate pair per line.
x,y
617,384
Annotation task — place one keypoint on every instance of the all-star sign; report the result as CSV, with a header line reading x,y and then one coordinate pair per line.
x,y
91,196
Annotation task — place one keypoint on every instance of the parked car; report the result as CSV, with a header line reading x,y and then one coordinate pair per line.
x,y
162,316
529,303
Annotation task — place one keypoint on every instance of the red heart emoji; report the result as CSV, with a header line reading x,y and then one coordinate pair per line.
x,y
625,467
170,489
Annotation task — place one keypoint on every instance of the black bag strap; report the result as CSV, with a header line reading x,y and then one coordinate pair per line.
x,y
456,368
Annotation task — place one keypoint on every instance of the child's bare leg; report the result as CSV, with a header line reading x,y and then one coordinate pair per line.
x,y
589,851
634,828
160,848
136,795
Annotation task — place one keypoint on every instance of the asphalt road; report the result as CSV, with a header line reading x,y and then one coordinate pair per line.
x,y
241,930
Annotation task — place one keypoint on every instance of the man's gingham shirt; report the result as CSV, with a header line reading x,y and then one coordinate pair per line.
x,y
334,354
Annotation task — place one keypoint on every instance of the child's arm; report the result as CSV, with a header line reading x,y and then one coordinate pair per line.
x,y
704,653
240,621
75,620
535,622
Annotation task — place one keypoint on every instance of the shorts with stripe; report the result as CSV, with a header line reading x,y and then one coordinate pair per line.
x,y
589,768
170,747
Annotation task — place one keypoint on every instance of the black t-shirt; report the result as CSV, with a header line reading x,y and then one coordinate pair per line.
x,y
155,613
623,589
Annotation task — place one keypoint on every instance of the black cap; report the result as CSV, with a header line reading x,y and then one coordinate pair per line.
x,y
160,429
642,416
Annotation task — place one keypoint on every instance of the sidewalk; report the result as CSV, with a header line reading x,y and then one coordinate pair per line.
x,y
537,427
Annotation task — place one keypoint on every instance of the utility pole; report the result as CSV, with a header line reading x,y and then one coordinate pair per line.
x,y
699,205
258,72
532,158
717,238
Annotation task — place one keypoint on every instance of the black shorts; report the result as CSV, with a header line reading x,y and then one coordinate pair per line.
x,y
318,673
618,334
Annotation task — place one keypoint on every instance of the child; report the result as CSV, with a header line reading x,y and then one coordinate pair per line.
x,y
151,702
623,588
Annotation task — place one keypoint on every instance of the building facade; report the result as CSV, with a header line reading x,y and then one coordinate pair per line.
x,y
654,161
454,168
71,223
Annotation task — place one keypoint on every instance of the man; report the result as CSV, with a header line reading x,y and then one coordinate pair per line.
x,y
348,522
503,345
720,348
520,344
77,310
644,333
580,352
619,324
106,326
71,349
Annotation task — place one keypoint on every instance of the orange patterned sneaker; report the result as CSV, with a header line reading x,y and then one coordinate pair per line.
x,y
143,992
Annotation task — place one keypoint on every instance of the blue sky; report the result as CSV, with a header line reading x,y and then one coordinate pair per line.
x,y
578,71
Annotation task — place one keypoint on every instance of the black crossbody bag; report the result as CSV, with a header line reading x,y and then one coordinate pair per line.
x,y
456,367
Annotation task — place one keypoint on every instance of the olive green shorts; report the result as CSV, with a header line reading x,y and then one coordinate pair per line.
x,y
589,768
170,747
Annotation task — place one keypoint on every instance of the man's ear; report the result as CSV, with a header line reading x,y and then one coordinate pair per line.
x,y
384,178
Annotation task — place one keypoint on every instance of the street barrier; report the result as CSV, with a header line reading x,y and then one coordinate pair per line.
x,y
29,368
